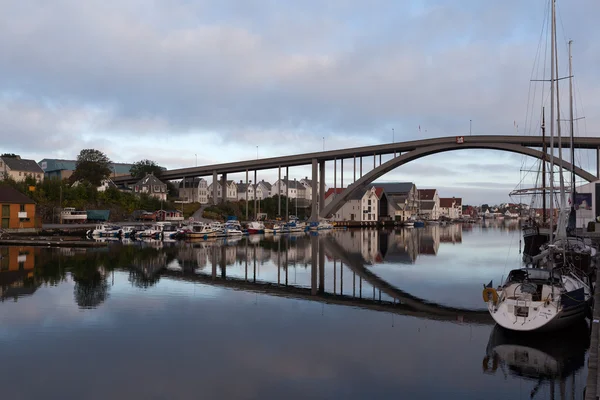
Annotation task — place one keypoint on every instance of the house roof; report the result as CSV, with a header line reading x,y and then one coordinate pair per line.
x,y
330,191
190,182
446,202
20,164
379,192
306,181
427,194
393,188
458,201
265,184
10,195
151,180
242,187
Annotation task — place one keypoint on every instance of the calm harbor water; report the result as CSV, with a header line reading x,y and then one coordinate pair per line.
x,y
345,314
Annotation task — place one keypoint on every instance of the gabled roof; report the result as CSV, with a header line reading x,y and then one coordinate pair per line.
x,y
190,182
265,184
427,194
149,180
446,202
330,191
19,164
458,201
393,188
242,187
10,195
379,192
428,206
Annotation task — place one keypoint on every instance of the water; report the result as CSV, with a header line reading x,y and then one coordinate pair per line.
x,y
348,314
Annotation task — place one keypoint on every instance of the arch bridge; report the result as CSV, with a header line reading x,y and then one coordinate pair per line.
x,y
403,152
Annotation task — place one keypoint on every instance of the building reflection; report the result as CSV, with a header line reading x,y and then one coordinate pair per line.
x,y
17,272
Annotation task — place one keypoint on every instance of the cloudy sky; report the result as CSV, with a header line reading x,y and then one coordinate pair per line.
x,y
179,81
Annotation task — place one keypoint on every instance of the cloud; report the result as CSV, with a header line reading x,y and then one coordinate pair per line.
x,y
218,78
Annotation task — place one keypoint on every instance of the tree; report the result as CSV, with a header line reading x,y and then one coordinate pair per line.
x,y
141,168
10,155
92,166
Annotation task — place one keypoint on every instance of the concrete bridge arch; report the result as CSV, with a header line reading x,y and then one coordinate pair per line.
x,y
417,153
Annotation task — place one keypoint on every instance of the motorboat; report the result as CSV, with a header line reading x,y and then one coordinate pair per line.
x,y
321,225
256,227
232,228
104,230
128,232
199,230
535,299
167,230
148,232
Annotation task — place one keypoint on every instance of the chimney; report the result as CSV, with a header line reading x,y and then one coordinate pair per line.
x,y
240,181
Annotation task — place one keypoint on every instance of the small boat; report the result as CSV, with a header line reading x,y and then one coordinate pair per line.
x,y
148,232
322,225
233,228
70,215
199,230
534,299
256,227
104,230
128,232
167,230
408,224
419,224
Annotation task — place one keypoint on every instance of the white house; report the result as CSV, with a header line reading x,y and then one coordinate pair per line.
x,y
194,190
231,189
285,186
429,203
263,190
18,169
104,185
402,199
450,207
362,205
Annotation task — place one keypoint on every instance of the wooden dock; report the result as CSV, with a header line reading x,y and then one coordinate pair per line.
x,y
51,242
592,389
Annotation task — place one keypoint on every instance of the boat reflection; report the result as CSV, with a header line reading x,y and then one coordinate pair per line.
x,y
544,359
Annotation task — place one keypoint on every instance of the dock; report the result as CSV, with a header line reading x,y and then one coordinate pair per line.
x,y
51,242
592,388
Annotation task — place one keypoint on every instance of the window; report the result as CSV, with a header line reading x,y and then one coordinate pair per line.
x,y
156,188
369,217
369,202
19,173
22,207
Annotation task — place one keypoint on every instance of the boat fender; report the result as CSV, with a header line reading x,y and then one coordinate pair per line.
x,y
486,364
487,292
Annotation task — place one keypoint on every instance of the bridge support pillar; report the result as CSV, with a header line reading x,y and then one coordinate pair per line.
x,y
314,259
287,193
360,167
321,265
334,177
215,182
255,197
223,188
354,169
314,214
247,187
598,163
342,174
321,185
278,194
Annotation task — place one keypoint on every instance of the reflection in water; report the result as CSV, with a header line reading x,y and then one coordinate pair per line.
x,y
144,295
544,358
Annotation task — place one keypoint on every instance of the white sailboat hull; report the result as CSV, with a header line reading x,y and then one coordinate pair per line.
x,y
545,318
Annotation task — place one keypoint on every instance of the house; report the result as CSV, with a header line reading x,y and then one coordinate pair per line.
x,y
104,185
246,190
18,169
264,190
193,190
293,189
231,191
169,215
450,207
63,169
152,186
17,210
402,199
429,203
362,205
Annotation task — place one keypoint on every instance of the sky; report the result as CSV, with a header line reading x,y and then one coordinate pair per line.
x,y
186,82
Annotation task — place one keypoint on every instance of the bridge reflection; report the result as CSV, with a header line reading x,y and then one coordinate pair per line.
x,y
333,268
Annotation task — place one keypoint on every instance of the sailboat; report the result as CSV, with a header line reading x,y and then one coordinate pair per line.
x,y
557,293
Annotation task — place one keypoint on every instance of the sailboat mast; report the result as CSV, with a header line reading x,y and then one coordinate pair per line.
x,y
552,74
561,177
571,127
544,166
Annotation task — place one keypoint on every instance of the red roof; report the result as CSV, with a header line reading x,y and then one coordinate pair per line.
x,y
446,202
379,192
427,194
330,191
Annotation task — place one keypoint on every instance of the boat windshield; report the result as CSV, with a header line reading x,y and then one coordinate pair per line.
x,y
532,274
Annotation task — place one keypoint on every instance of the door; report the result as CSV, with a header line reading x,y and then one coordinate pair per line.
x,y
5,216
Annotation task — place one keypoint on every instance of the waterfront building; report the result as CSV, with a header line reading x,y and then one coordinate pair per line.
x,y
450,207
17,210
402,199
19,169
362,205
429,203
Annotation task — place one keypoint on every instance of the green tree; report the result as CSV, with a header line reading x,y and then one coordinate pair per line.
x,y
10,155
92,166
141,168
